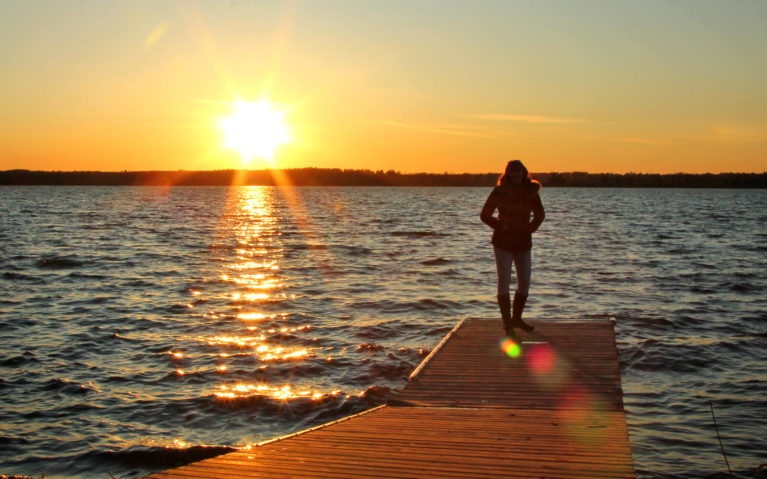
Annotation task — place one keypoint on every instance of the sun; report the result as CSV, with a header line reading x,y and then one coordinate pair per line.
x,y
255,129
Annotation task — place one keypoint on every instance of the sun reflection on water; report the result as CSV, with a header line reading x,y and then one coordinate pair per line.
x,y
284,392
238,341
258,316
253,287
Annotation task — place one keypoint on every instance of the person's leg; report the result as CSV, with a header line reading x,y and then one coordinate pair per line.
x,y
503,262
523,267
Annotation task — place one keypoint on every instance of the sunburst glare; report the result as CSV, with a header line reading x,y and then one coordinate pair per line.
x,y
255,129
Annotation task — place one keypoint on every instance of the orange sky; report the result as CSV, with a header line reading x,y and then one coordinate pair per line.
x,y
457,86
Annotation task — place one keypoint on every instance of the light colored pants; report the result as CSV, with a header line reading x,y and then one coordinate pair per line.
x,y
522,261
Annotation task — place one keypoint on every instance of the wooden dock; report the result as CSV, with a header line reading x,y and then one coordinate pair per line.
x,y
546,406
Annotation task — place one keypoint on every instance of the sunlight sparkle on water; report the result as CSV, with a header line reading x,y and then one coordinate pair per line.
x,y
238,341
256,316
247,281
256,281
284,392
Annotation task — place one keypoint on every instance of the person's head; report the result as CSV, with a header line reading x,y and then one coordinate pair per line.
x,y
515,174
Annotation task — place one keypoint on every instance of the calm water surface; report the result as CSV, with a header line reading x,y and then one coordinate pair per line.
x,y
137,323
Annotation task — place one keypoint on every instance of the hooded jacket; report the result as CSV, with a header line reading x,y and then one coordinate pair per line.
x,y
515,203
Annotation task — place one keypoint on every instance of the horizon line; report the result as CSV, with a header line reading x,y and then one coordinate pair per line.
x,y
379,171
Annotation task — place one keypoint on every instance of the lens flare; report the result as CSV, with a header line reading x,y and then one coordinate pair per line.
x,y
541,359
584,415
511,348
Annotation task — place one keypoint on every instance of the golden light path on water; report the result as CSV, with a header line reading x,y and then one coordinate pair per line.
x,y
255,280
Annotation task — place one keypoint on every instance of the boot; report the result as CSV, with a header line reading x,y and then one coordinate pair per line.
x,y
504,304
516,317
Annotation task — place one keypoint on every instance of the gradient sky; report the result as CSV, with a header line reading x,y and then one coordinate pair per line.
x,y
458,86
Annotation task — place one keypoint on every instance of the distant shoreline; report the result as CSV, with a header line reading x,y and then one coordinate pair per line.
x,y
339,177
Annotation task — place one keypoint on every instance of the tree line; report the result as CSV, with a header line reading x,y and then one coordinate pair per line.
x,y
354,177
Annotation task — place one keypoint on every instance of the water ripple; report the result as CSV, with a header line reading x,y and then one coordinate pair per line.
x,y
142,325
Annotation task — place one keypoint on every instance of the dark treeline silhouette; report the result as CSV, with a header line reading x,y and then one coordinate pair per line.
x,y
338,177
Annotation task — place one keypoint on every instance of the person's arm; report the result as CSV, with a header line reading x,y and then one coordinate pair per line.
x,y
487,213
538,214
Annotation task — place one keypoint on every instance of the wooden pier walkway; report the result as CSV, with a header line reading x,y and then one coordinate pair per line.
x,y
548,406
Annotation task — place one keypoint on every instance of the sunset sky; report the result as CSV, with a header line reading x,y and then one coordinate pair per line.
x,y
457,86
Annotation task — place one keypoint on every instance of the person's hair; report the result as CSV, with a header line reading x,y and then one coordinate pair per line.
x,y
504,178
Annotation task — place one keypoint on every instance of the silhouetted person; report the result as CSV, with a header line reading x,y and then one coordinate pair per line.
x,y
516,198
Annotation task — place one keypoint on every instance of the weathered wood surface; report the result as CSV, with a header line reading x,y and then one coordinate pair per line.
x,y
471,410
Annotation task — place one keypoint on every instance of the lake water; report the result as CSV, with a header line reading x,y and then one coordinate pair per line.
x,y
139,322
